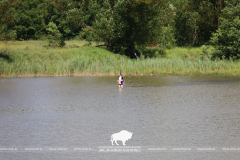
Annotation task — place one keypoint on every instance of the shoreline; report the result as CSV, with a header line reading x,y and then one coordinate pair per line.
x,y
30,59
102,75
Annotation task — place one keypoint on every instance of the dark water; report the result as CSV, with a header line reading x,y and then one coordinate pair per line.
x,y
171,117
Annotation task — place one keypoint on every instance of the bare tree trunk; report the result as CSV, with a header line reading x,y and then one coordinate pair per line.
x,y
134,52
107,44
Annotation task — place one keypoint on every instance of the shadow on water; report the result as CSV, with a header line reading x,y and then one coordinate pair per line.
x,y
5,56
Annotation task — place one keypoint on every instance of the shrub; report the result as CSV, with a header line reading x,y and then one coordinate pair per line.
x,y
55,38
227,38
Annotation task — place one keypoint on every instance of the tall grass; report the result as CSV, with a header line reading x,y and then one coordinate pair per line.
x,y
31,59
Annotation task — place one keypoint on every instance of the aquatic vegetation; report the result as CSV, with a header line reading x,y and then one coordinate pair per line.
x,y
29,58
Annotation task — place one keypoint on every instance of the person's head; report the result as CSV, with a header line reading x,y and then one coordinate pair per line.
x,y
119,75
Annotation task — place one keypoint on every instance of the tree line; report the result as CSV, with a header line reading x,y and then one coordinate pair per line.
x,y
120,25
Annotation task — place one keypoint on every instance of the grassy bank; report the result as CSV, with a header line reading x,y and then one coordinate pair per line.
x,y
29,58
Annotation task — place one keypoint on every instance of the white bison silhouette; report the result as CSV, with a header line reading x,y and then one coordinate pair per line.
x,y
121,136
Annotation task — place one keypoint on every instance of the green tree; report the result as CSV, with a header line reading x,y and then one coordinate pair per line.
x,y
227,37
119,24
56,11
55,38
196,20
164,30
7,21
29,19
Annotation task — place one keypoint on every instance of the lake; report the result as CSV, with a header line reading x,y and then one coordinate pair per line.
x,y
170,117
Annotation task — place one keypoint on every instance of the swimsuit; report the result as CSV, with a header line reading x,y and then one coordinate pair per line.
x,y
122,82
119,80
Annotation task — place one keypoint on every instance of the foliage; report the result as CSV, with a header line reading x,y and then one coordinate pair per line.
x,y
206,52
55,38
165,30
119,24
29,58
227,38
196,20
7,31
29,19
56,11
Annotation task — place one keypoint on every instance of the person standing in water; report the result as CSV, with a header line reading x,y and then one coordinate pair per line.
x,y
120,81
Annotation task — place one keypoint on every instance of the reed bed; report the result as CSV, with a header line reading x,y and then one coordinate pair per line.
x,y
31,59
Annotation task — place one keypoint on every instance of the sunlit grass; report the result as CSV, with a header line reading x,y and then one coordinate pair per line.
x,y
30,58
183,52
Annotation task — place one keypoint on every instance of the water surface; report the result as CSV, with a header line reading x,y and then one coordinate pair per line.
x,y
161,111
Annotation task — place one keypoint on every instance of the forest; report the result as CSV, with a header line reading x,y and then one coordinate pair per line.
x,y
120,25
136,29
